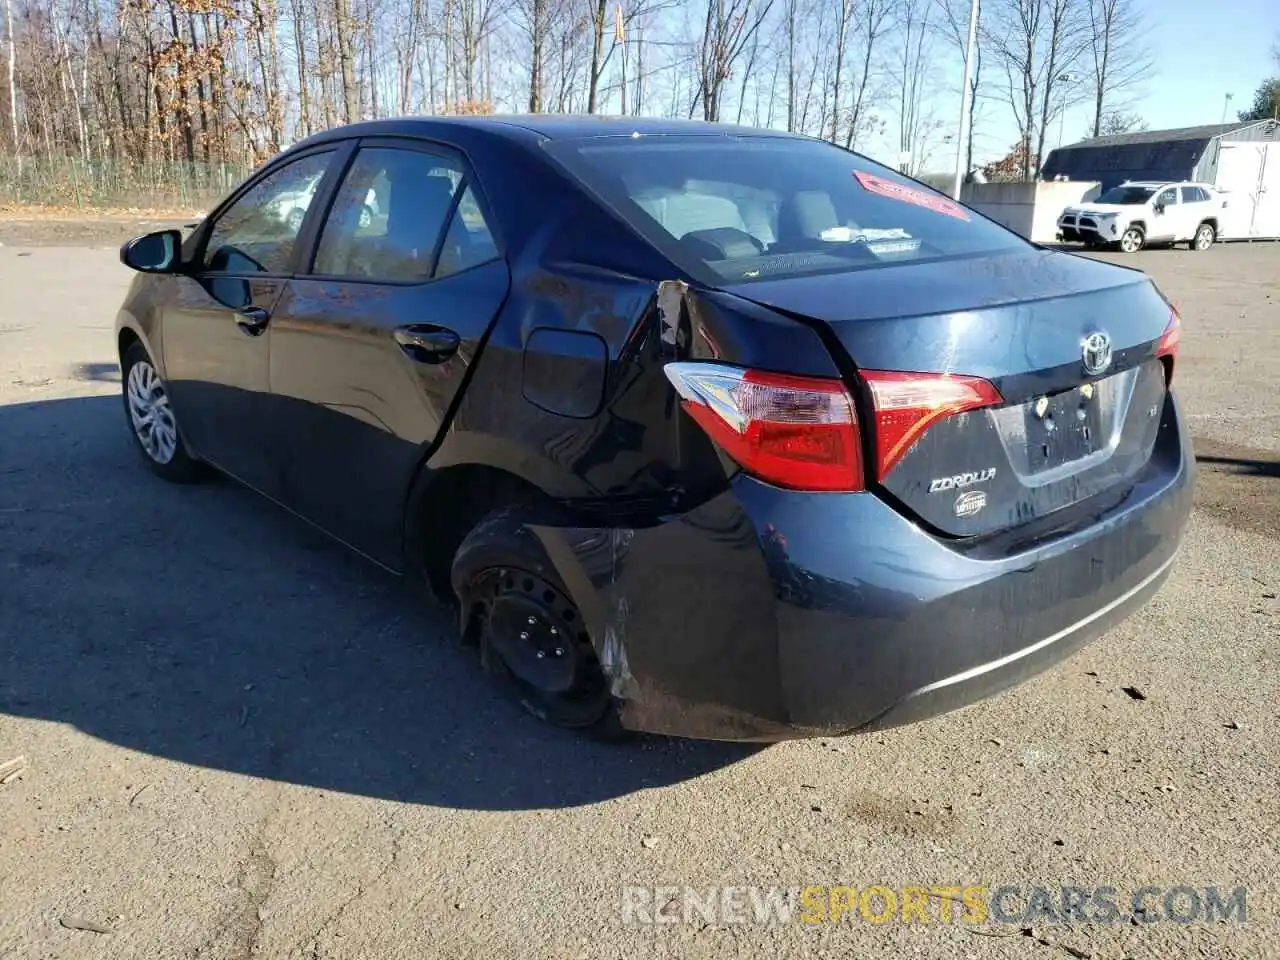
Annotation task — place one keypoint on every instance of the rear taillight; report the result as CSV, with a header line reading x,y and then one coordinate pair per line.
x,y
795,432
907,404
802,432
1167,347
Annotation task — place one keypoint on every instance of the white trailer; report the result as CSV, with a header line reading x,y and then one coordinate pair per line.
x,y
1248,176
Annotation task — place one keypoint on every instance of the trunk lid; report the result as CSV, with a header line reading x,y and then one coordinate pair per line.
x,y
1062,434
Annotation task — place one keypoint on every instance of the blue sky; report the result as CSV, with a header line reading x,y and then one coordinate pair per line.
x,y
1203,49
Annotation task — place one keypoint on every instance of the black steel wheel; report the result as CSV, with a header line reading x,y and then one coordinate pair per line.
x,y
529,630
535,632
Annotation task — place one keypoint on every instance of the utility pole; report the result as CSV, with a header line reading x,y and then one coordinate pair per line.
x,y
1226,102
1062,117
965,95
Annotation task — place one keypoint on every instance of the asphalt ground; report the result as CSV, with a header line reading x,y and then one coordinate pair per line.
x,y
242,741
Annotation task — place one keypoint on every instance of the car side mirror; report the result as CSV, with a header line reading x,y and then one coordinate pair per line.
x,y
1159,208
157,252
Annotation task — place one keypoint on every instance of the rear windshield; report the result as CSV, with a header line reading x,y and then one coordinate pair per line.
x,y
1128,196
765,208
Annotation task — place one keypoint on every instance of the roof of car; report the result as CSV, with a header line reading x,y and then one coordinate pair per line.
x,y
550,126
1156,184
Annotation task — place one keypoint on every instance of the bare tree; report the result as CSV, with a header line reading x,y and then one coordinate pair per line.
x,y
477,20
1117,122
1118,53
627,16
599,14
1036,43
533,18
791,17
730,26
344,29
805,25
12,73
874,24
911,72
844,20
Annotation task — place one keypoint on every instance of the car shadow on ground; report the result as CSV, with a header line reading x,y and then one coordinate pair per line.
x,y
1261,468
97,372
205,625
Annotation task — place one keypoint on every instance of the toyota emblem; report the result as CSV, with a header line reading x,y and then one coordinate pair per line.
x,y
1095,353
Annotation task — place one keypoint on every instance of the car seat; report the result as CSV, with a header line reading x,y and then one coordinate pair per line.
x,y
802,217
417,207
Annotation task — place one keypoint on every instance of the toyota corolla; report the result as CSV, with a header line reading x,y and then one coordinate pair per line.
x,y
698,429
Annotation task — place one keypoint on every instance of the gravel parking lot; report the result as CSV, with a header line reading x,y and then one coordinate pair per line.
x,y
242,741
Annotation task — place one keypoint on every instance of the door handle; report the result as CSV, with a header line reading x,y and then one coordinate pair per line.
x,y
252,320
427,343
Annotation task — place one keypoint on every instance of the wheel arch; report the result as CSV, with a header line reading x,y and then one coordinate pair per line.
x,y
125,339
445,504
129,332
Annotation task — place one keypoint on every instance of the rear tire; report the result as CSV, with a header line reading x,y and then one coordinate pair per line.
x,y
1205,237
152,422
1132,240
530,632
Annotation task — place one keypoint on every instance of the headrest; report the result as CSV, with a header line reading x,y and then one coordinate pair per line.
x,y
417,204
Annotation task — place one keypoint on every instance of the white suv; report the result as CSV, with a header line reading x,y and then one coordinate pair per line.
x,y
1141,212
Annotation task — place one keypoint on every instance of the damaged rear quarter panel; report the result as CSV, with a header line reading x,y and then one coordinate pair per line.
x,y
683,617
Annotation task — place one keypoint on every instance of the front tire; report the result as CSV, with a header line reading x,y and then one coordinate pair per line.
x,y
1132,240
151,419
530,632
1205,237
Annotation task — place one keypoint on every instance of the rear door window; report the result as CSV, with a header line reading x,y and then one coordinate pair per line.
x,y
469,241
388,216
759,207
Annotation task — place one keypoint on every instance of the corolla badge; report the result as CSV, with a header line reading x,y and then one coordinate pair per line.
x,y
961,480
1095,353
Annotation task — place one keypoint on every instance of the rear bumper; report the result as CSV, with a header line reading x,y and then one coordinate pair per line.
x,y
990,677
767,614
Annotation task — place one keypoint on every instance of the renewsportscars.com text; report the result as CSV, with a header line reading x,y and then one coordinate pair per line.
x,y
967,904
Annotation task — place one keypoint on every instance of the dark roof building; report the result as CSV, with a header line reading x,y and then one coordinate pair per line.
x,y
1187,153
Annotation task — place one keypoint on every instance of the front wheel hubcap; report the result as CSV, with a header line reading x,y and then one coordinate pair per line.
x,y
150,413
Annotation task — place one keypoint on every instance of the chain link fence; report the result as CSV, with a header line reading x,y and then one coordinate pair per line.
x,y
116,185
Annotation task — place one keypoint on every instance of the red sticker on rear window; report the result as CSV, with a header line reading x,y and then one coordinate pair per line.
x,y
921,198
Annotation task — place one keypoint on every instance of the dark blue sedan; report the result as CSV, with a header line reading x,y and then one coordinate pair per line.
x,y
699,429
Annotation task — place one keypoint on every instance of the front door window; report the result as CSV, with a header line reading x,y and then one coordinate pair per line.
x,y
258,233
